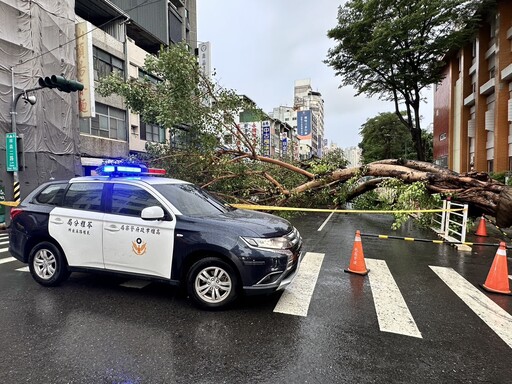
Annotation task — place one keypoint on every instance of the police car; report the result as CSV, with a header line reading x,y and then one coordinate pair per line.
x,y
128,222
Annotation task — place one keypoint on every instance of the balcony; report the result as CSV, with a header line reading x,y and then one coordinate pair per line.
x,y
506,73
473,68
491,51
470,100
488,87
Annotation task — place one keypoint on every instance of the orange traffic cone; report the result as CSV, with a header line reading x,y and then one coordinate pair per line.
x,y
481,230
497,279
357,264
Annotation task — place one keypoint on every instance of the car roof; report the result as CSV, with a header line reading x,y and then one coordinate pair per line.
x,y
146,179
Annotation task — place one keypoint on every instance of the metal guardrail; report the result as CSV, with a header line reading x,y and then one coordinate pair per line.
x,y
450,223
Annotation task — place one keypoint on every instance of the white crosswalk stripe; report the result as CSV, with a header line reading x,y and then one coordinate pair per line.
x,y
7,260
297,296
392,311
23,269
491,313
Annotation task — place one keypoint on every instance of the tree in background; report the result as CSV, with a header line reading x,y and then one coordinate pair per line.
x,y
385,137
394,49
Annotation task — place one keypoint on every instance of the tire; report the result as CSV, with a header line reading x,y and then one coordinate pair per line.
x,y
47,264
212,283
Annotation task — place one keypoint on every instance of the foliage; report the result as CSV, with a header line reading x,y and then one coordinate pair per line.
x,y
499,176
394,49
394,194
385,137
178,96
334,159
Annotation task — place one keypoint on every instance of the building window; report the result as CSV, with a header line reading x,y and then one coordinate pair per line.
x,y
109,123
146,75
152,132
490,165
105,63
175,27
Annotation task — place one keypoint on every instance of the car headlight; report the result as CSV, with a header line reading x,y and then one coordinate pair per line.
x,y
269,243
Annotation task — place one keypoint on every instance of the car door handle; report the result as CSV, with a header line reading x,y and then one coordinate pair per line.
x,y
57,220
112,228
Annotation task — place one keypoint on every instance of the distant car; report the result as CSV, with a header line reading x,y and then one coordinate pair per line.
x,y
153,227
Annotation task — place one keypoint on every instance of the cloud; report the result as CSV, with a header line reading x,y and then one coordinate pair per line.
x,y
260,47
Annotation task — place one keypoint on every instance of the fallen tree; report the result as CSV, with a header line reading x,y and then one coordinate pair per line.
x,y
482,193
200,116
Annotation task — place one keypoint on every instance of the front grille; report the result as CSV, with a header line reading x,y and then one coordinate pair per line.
x,y
296,241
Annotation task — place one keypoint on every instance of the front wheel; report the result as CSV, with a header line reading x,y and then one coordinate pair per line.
x,y
47,264
212,283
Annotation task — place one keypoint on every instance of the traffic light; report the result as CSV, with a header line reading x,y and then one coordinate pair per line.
x,y
61,83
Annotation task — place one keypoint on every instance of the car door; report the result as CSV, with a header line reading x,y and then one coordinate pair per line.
x,y
77,224
131,244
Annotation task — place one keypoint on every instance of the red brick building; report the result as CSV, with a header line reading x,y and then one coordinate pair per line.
x,y
473,104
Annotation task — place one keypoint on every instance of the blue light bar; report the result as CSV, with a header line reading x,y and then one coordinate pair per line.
x,y
128,169
122,170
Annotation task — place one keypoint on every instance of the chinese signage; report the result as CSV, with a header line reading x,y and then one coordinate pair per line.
x,y
284,144
265,138
204,58
304,124
84,69
11,152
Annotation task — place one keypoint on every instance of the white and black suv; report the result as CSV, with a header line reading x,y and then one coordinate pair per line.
x,y
153,227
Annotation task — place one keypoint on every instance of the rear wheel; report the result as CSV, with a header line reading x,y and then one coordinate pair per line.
x,y
47,264
212,283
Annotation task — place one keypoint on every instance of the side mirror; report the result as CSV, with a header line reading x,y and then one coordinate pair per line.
x,y
152,213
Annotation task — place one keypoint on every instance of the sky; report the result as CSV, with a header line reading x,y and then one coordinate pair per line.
x,y
260,47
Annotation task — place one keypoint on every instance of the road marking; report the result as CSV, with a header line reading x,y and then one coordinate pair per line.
x,y
7,260
491,313
4,249
325,222
135,283
4,242
392,311
24,269
297,296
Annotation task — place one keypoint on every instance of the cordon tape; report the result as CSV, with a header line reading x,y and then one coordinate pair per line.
x,y
273,208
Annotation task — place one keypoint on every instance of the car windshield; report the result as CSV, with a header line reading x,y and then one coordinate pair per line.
x,y
191,200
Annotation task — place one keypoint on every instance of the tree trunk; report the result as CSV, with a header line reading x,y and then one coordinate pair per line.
x,y
478,190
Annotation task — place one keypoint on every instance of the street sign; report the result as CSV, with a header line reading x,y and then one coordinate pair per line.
x,y
11,152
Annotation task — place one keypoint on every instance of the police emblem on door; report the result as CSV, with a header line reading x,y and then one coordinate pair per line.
x,y
139,247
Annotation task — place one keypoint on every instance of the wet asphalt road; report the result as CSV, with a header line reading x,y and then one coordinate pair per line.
x,y
92,330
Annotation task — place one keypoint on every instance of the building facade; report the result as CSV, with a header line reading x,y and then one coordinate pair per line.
x,y
310,117
68,134
473,104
